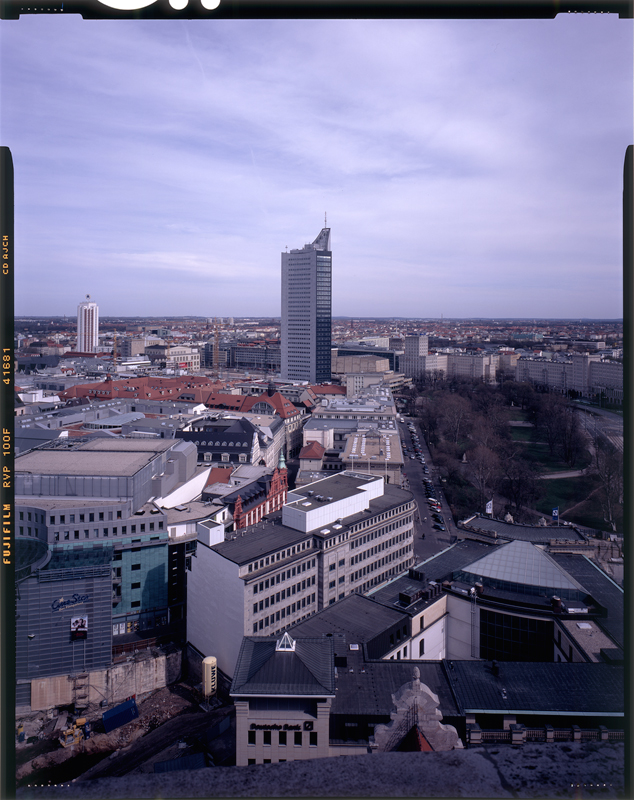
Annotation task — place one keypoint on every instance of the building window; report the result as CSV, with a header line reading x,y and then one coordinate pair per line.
x,y
421,648
250,761
332,584
57,536
298,738
76,534
135,585
135,567
267,737
313,738
251,737
331,567
282,739
135,604
101,516
66,535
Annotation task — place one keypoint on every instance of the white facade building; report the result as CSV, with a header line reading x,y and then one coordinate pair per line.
x,y
87,326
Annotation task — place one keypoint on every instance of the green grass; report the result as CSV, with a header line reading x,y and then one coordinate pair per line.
x,y
521,434
517,415
568,492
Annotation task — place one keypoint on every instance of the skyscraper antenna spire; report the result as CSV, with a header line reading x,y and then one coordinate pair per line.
x,y
325,220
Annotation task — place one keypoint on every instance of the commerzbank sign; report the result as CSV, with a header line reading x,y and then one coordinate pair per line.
x,y
74,600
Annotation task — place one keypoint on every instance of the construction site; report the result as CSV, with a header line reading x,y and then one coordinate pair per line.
x,y
148,724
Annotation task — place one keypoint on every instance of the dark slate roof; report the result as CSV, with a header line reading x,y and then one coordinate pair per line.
x,y
235,432
536,534
356,616
260,669
538,687
365,688
601,587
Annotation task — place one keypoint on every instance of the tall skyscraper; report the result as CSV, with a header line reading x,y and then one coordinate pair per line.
x,y
87,326
307,311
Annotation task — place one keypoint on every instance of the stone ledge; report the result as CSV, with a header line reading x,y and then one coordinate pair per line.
x,y
531,771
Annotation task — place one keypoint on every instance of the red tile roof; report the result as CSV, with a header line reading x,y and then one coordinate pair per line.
x,y
312,450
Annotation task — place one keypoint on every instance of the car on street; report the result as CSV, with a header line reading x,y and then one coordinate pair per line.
x,y
439,527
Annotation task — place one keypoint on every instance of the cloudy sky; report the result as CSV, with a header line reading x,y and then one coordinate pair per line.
x,y
467,167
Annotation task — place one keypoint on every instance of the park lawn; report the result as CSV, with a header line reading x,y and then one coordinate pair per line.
x,y
517,414
565,493
521,434
539,456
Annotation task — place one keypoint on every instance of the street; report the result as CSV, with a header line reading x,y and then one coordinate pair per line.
x,y
427,540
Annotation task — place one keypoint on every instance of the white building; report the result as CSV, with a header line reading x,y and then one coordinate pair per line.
x,y
341,535
87,326
307,311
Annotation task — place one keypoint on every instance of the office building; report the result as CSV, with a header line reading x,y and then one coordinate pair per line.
x,y
340,535
307,311
94,544
87,326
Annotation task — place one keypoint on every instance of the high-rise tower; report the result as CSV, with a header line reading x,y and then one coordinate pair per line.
x,y
307,311
87,326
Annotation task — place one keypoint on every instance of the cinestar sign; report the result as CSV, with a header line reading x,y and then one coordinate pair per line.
x,y
75,600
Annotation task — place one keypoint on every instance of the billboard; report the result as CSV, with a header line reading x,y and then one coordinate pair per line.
x,y
79,627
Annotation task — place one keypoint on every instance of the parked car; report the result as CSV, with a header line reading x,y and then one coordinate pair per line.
x,y
439,527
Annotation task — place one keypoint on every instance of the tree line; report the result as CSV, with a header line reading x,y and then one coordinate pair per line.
x,y
466,425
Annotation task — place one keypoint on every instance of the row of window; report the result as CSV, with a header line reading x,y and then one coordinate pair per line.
x,y
374,565
291,551
282,738
279,596
365,587
105,532
377,548
204,443
287,611
82,517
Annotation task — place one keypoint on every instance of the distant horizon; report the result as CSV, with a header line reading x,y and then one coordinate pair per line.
x,y
198,317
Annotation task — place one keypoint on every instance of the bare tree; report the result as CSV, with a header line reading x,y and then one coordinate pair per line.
x,y
608,466
484,466
456,412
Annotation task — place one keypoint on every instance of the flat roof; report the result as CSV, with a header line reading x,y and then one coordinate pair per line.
x,y
104,457
254,543
538,687
366,688
601,587
537,534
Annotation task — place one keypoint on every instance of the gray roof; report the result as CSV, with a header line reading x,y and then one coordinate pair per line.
x,y
359,618
538,687
455,557
601,587
99,456
528,533
308,670
255,543
524,564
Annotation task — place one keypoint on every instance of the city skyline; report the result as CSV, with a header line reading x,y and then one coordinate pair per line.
x,y
468,168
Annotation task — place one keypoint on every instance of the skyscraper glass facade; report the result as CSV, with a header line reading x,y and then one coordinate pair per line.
x,y
307,311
